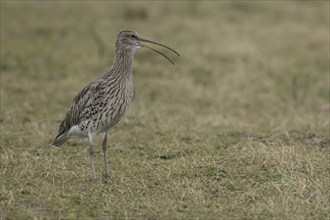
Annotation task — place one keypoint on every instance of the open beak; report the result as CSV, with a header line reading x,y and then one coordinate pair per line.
x,y
149,41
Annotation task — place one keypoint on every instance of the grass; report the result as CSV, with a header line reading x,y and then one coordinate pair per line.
x,y
237,129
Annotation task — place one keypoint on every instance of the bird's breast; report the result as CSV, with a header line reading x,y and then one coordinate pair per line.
x,y
117,106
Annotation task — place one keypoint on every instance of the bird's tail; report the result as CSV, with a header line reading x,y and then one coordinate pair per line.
x,y
60,139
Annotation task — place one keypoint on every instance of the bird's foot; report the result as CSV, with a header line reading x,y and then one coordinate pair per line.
x,y
106,177
93,180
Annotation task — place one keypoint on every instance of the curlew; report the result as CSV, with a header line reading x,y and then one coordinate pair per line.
x,y
102,104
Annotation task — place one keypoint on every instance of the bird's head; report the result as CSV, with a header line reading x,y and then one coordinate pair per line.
x,y
129,40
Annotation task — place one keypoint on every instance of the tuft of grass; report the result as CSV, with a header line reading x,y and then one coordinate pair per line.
x,y
238,128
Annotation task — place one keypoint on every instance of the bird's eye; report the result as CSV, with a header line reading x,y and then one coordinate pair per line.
x,y
133,36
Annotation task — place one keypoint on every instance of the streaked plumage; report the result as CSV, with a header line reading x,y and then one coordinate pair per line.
x,y
101,104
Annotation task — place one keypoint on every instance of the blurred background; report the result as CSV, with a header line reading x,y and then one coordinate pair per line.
x,y
248,69
242,63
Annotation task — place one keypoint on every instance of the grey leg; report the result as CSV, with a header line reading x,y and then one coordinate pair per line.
x,y
104,148
91,155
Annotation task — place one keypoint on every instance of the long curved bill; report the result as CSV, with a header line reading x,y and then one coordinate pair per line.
x,y
153,42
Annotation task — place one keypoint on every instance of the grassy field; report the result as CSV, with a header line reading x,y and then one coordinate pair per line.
x,y
237,129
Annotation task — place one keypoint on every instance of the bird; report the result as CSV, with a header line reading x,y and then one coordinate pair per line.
x,y
100,105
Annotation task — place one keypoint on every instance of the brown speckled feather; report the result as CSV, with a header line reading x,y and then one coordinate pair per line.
x,y
98,106
83,102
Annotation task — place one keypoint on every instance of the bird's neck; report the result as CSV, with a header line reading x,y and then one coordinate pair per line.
x,y
123,61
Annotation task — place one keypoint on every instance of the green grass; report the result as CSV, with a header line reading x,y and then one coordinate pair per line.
x,y
237,129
